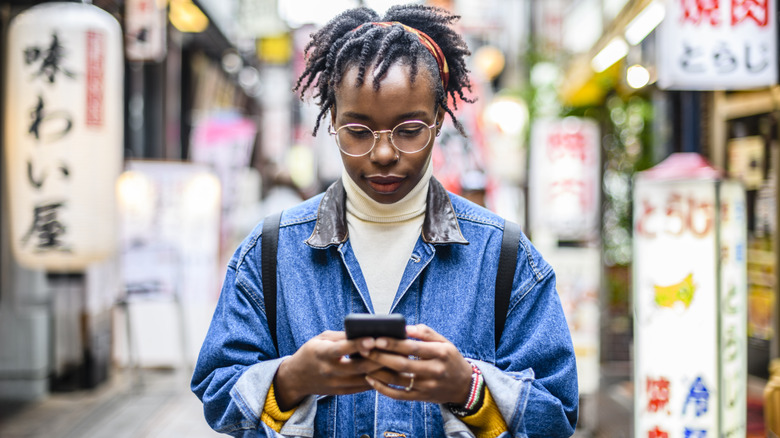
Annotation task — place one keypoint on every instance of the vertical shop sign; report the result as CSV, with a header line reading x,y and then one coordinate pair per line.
x,y
63,134
690,301
577,273
146,24
169,234
709,45
565,177
224,142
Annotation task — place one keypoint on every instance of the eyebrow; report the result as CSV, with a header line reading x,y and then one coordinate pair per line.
x,y
404,116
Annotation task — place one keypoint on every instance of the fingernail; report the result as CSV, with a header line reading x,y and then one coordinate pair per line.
x,y
370,381
381,343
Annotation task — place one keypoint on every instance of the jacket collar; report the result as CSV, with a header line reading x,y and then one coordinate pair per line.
x,y
439,227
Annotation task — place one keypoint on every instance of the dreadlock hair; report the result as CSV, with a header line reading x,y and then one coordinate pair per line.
x,y
344,43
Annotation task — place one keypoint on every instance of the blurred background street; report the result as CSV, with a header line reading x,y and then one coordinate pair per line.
x,y
635,141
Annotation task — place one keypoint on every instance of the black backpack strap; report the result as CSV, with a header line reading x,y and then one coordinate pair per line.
x,y
268,268
507,263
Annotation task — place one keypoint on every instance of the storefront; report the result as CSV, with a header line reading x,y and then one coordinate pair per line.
x,y
727,47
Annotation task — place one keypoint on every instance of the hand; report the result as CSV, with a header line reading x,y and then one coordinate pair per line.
x,y
437,372
320,366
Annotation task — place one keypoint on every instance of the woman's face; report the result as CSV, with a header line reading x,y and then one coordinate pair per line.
x,y
386,174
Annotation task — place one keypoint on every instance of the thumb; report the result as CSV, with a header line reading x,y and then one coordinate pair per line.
x,y
424,333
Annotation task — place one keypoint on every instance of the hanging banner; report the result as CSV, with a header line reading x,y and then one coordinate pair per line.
x,y
565,178
224,142
577,276
690,299
146,25
717,45
169,232
63,134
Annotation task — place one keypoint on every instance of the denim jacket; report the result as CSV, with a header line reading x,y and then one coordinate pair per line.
x,y
448,284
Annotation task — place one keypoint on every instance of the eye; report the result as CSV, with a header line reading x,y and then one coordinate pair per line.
x,y
409,130
357,131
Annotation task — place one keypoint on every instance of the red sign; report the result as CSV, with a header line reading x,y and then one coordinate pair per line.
x,y
680,214
657,393
758,10
95,54
697,11
657,433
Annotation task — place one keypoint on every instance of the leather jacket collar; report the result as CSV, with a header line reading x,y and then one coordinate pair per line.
x,y
439,227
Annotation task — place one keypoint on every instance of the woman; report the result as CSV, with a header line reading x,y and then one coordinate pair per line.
x,y
388,238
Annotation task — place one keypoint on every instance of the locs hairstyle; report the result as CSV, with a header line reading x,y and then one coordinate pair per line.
x,y
350,40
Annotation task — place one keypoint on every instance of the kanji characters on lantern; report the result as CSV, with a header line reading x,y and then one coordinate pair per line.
x,y
63,134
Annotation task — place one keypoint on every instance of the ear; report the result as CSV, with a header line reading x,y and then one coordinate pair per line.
x,y
440,114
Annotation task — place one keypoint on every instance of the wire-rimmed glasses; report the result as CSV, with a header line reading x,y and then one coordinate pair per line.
x,y
356,140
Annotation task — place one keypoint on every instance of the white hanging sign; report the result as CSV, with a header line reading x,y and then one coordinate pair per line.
x,y
717,45
690,300
146,23
565,177
63,134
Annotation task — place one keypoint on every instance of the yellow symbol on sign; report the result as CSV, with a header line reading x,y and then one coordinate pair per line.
x,y
667,296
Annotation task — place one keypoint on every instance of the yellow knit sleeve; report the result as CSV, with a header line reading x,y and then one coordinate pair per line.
x,y
487,422
271,415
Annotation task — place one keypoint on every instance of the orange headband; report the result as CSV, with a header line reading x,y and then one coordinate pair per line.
x,y
428,43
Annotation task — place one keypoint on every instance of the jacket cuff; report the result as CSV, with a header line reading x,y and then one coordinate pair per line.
x,y
510,391
251,392
272,415
487,422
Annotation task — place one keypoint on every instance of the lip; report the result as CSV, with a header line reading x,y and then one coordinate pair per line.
x,y
384,183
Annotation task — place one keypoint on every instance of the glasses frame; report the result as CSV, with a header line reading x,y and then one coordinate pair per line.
x,y
378,134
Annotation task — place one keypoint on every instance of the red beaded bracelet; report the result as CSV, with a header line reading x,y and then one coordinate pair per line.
x,y
476,395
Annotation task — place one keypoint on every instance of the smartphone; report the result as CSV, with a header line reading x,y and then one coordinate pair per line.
x,y
361,325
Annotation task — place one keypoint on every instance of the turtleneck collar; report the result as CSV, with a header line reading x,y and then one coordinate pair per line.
x,y
363,207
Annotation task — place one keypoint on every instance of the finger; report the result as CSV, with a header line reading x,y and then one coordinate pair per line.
x,y
360,365
424,333
390,377
332,335
333,350
389,391
396,362
365,345
408,347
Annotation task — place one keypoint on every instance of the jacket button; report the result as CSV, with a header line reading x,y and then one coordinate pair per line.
x,y
365,435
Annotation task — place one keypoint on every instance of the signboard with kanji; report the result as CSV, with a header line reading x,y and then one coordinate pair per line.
x,y
565,179
63,134
690,297
714,45
146,26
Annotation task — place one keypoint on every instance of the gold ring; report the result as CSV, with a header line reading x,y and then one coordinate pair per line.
x,y
411,383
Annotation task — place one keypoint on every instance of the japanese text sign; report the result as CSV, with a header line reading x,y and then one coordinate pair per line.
x,y
146,24
690,367
63,134
712,45
565,177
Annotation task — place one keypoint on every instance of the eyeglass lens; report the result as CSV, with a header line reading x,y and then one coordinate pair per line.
x,y
409,137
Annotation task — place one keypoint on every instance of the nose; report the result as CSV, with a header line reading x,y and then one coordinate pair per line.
x,y
384,152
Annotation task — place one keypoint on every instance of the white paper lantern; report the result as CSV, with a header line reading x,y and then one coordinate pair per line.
x,y
63,134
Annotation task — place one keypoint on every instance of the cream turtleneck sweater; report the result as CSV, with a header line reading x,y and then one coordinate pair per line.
x,y
383,236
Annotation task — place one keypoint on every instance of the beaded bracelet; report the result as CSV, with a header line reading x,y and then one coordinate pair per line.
x,y
476,395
